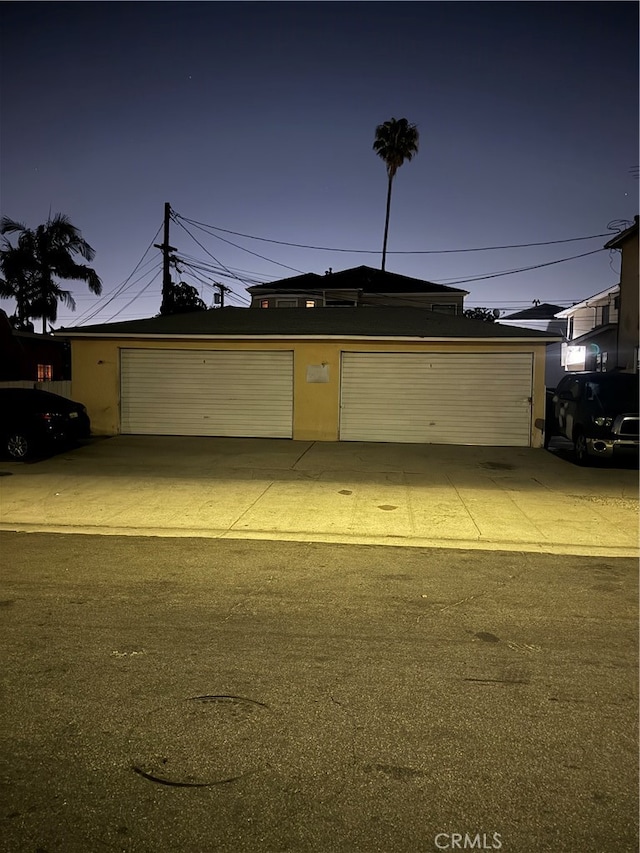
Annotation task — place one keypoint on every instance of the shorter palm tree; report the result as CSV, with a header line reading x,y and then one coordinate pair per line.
x,y
31,267
16,281
396,141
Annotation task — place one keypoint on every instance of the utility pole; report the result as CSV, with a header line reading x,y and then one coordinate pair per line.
x,y
166,250
219,297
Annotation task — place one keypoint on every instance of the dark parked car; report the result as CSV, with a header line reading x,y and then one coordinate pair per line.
x,y
33,421
598,412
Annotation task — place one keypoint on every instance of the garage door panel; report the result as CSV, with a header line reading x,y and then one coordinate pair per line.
x,y
441,398
203,392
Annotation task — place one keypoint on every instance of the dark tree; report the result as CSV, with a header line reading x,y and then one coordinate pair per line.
x,y
181,299
396,141
31,267
485,314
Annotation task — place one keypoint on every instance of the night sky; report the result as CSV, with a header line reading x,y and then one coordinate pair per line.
x,y
259,118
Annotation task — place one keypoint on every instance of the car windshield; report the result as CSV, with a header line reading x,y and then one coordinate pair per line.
x,y
618,392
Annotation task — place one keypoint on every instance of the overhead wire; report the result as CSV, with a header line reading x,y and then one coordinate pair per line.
x,y
204,226
211,269
408,301
517,270
216,269
204,249
223,271
136,296
248,251
213,285
155,269
120,288
445,281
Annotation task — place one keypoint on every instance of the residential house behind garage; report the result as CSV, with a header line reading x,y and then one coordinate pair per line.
x,y
357,286
629,310
592,332
351,374
543,317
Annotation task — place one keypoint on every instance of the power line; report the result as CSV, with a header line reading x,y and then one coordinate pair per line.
x,y
518,270
216,269
101,308
204,249
121,287
137,295
204,226
211,269
408,301
248,251
192,272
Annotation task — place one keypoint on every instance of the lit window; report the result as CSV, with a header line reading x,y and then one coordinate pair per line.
x,y
310,303
264,303
45,372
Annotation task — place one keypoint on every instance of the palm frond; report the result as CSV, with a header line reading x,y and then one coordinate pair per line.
x,y
64,267
396,141
10,226
29,268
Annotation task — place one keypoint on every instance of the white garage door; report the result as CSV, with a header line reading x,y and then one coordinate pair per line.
x,y
204,392
437,398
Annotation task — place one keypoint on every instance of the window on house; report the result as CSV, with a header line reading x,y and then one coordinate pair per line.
x,y
601,361
286,303
45,372
264,303
605,315
444,308
570,329
310,303
616,302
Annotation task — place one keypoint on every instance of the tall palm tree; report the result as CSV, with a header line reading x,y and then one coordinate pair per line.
x,y
31,267
396,141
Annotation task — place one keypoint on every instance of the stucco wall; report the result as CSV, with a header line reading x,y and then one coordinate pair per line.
x,y
96,376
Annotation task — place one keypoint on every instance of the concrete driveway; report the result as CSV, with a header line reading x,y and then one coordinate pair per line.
x,y
515,499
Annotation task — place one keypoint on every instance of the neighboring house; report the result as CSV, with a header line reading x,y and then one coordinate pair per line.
x,y
543,318
358,286
30,356
602,331
629,312
592,332
350,374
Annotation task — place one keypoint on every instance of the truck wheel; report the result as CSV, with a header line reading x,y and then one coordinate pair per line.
x,y
580,447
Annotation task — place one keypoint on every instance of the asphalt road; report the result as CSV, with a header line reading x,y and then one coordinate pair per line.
x,y
198,695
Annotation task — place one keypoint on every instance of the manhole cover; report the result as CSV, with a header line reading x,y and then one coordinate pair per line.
x,y
205,740
215,740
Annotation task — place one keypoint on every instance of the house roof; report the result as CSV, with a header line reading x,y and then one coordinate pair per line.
x,y
359,278
545,311
619,239
591,301
351,322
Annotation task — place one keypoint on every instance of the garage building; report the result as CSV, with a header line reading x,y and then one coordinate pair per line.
x,y
350,374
